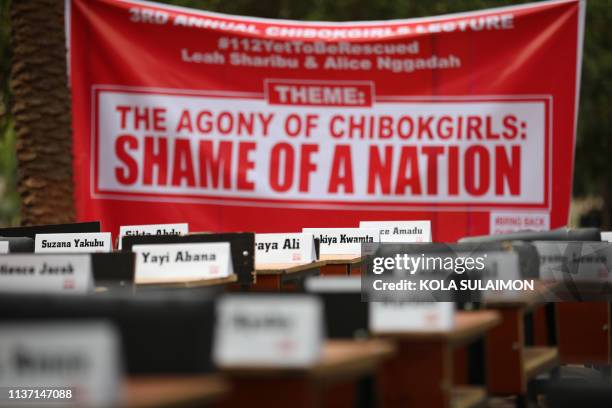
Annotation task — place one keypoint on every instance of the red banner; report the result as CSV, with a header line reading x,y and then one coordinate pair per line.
x,y
236,123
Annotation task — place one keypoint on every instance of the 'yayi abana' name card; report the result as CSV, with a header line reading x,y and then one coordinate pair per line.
x,y
184,262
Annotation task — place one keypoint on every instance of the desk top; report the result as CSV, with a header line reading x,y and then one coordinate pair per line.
x,y
173,391
468,396
341,259
286,268
468,326
341,360
537,360
191,284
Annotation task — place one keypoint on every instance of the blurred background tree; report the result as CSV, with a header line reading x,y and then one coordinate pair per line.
x,y
593,174
9,199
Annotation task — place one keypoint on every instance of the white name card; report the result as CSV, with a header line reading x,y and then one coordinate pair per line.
x,y
79,358
295,248
343,241
579,261
267,330
152,229
401,231
333,284
182,262
500,265
400,317
29,273
606,236
4,247
74,242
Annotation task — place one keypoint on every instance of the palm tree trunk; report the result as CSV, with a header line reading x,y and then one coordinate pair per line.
x,y
42,112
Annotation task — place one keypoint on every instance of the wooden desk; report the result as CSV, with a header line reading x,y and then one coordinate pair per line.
x,y
331,382
528,300
511,363
421,375
173,391
342,265
583,332
201,283
276,277
583,328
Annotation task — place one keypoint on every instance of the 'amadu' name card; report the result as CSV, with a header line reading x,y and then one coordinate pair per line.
x,y
294,248
152,229
268,331
401,231
183,262
400,317
66,364
76,242
46,273
343,241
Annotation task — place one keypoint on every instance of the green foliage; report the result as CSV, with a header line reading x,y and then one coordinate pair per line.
x,y
9,199
593,172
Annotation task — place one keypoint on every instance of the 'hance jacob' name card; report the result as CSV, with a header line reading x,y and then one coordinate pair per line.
x,y
34,273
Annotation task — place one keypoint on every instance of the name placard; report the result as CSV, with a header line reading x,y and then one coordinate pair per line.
x,y
184,262
70,243
295,248
267,330
66,274
504,266
152,229
333,284
70,363
401,231
576,261
400,317
606,236
343,241
4,247
500,265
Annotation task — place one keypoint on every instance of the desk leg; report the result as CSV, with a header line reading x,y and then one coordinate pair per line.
x,y
342,395
356,269
420,375
505,354
541,333
335,270
460,366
